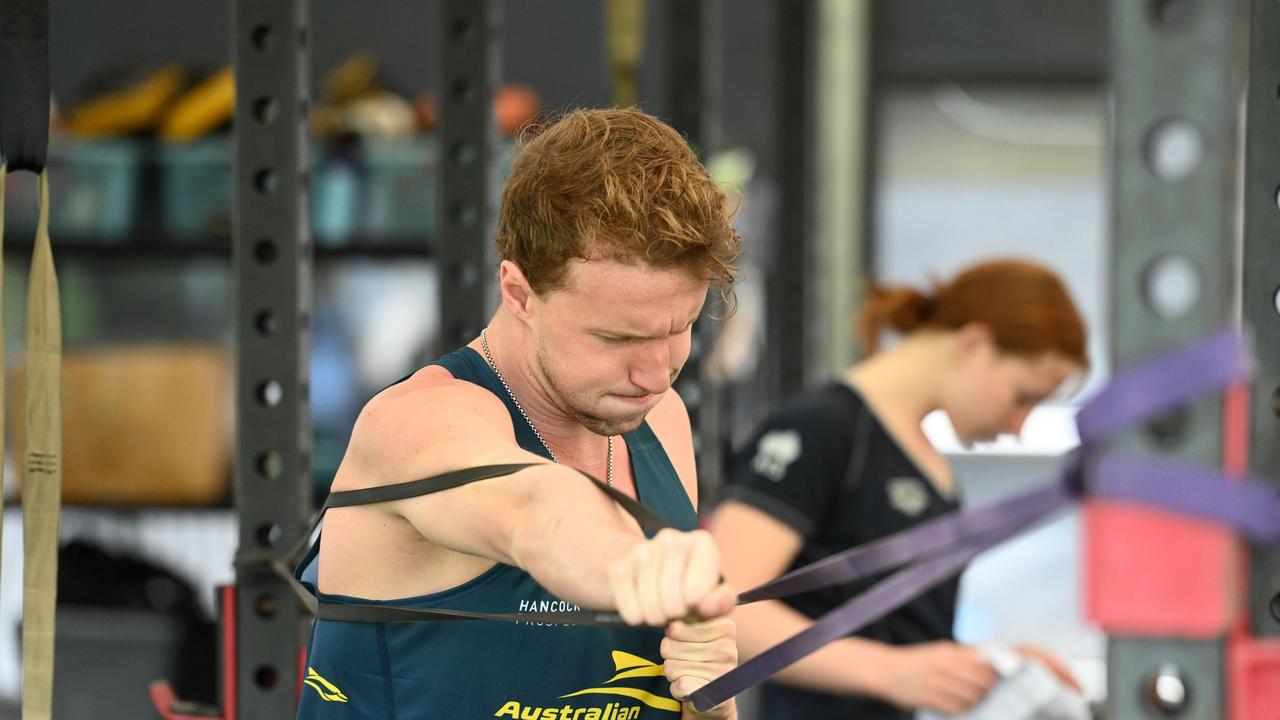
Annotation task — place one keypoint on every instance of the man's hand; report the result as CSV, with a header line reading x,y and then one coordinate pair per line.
x,y
694,654
673,576
940,676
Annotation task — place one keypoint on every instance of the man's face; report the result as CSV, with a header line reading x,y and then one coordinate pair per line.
x,y
610,343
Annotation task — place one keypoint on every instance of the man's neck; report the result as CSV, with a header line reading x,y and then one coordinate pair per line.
x,y
512,351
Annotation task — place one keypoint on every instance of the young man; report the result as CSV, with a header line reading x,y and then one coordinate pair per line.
x,y
610,235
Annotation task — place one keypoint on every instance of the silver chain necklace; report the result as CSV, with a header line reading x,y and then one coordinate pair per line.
x,y
484,343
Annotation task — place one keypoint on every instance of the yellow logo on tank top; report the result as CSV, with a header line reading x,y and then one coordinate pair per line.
x,y
625,666
328,691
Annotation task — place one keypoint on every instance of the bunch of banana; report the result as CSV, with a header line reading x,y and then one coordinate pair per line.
x,y
157,103
203,109
131,109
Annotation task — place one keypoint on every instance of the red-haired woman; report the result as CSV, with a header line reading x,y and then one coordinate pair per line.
x,y
847,463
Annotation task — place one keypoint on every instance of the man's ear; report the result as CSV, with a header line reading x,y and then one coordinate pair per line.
x,y
516,293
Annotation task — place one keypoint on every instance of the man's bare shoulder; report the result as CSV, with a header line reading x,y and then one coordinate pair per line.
x,y
429,395
409,429
427,383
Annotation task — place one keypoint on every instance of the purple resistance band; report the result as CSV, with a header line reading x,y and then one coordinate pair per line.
x,y
885,597
1130,399
940,548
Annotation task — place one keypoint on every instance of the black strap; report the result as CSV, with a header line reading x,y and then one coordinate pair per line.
x,y
649,521
398,613
418,488
282,564
24,83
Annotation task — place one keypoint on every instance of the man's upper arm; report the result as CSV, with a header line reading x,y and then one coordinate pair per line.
x,y
669,421
426,429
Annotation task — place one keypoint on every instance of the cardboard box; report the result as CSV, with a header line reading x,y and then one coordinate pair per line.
x,y
144,425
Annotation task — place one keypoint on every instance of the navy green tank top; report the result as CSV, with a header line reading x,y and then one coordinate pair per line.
x,y
484,669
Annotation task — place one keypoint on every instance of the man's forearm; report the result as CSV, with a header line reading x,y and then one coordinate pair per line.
x,y
568,535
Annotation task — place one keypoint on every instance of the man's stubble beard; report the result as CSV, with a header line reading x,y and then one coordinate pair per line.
x,y
594,423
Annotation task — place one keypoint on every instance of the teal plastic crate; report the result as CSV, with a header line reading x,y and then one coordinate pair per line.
x,y
401,180
195,187
401,186
93,190
386,194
